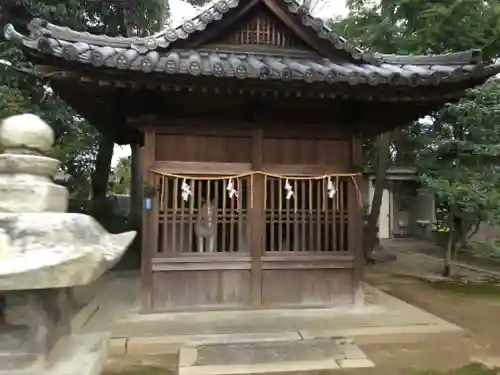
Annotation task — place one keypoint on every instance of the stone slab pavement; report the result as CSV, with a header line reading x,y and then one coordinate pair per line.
x,y
272,357
382,319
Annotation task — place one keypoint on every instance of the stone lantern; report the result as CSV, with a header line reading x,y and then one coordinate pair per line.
x,y
44,251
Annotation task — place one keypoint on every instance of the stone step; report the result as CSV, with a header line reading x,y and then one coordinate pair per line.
x,y
272,357
82,354
362,335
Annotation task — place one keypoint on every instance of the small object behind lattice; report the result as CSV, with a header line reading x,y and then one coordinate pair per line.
x,y
331,188
186,190
289,190
231,191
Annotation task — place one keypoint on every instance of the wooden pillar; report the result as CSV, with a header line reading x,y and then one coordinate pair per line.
x,y
257,218
148,159
135,212
135,187
355,222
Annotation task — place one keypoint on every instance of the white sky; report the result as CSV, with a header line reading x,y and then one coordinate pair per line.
x,y
181,11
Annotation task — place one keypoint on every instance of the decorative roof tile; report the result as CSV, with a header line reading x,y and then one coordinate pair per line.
x,y
257,66
150,54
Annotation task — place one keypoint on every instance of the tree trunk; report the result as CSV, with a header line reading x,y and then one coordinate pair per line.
x,y
100,176
450,248
448,269
371,232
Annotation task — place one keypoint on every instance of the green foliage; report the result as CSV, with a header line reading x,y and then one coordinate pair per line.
x,y
440,26
419,27
121,176
460,161
21,90
424,26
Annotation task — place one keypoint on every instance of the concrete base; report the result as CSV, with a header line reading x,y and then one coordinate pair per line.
x,y
381,319
83,354
271,357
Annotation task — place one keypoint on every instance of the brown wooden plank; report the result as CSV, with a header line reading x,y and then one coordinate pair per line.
x,y
303,169
333,207
197,266
311,242
307,265
280,215
230,128
208,128
175,198
201,168
294,256
326,226
203,258
319,216
272,214
307,287
203,148
182,221
287,222
166,192
232,224
147,156
191,219
223,219
199,289
344,186
155,208
295,215
257,218
356,225
198,210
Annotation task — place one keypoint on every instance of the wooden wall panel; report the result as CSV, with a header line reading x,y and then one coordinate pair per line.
x,y
208,288
306,151
307,288
202,148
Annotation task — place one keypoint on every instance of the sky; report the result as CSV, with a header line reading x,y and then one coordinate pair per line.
x,y
181,11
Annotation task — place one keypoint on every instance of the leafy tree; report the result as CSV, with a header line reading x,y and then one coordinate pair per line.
x,y
121,176
461,163
416,27
86,155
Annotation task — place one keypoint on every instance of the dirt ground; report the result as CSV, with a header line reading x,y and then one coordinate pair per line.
x,y
475,310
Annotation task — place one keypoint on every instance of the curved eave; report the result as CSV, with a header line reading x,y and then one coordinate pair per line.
x,y
251,65
165,39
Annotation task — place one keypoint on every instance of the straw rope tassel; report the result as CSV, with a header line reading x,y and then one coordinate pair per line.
x,y
322,179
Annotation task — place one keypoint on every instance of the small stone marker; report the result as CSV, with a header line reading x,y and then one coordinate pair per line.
x,y
44,251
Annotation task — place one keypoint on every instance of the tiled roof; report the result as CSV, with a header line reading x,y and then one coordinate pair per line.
x,y
156,53
213,13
